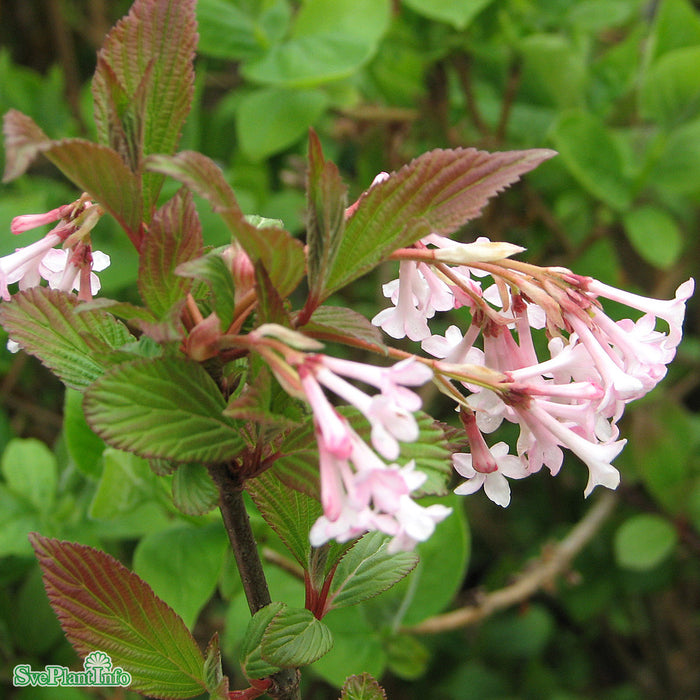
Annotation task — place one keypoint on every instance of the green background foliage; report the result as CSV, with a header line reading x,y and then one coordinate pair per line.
x,y
613,86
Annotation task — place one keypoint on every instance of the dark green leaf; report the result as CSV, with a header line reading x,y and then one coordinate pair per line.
x,y
288,512
194,493
436,193
281,255
592,157
368,569
103,606
84,447
250,656
174,237
165,408
75,346
295,638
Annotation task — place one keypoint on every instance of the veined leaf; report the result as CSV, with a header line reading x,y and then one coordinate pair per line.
x,y
94,168
165,408
288,512
102,606
280,254
341,325
174,237
217,683
367,569
157,39
75,346
436,193
326,202
295,638
194,492
362,687
250,655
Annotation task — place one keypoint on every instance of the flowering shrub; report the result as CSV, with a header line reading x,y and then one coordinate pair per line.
x,y
223,376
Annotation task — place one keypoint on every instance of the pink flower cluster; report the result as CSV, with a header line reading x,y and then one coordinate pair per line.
x,y
360,491
68,269
570,399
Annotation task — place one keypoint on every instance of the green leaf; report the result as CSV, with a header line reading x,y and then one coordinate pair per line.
x,y
678,167
271,307
30,471
91,167
458,14
436,193
295,638
103,606
330,39
250,656
174,237
326,203
281,255
217,683
231,32
75,346
126,482
84,447
156,40
17,519
644,541
182,564
368,569
342,325
408,657
194,493
591,155
362,687
165,408
654,234
676,25
669,93
288,512
269,120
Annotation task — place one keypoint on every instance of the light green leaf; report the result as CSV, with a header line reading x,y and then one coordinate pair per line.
x,y
367,569
194,493
670,92
17,519
164,408
676,25
126,482
644,541
182,564
217,683
30,471
678,168
408,657
330,39
75,346
342,325
654,234
102,605
295,638
232,32
591,155
362,687
458,14
269,120
84,447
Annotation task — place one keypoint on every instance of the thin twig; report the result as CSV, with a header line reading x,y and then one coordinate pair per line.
x,y
551,564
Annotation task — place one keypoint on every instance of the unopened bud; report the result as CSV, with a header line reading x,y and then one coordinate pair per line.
x,y
477,252
203,341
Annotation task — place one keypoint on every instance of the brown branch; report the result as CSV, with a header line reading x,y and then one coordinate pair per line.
x,y
553,563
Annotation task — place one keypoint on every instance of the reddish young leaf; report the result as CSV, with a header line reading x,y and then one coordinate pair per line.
x,y
103,606
144,82
281,255
174,237
435,193
95,169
